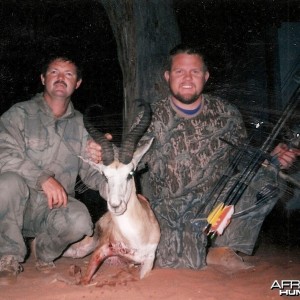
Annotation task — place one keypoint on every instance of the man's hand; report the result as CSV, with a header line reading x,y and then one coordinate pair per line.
x,y
55,193
94,150
285,155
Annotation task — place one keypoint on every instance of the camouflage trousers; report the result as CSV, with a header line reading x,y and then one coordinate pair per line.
x,y
24,212
183,243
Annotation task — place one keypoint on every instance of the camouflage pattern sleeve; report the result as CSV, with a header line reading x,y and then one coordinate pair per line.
x,y
13,156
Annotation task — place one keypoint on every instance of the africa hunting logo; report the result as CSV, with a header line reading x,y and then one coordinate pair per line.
x,y
287,287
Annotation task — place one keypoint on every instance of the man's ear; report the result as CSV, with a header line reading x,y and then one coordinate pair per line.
x,y
78,83
42,79
206,75
167,75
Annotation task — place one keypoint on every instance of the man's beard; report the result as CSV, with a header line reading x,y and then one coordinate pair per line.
x,y
190,100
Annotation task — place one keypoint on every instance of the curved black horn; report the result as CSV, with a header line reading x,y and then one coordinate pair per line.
x,y
90,117
132,138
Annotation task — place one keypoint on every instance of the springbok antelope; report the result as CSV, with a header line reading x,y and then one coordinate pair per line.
x,y
129,229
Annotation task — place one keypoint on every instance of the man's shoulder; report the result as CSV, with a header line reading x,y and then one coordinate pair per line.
x,y
77,116
215,99
31,102
216,102
77,113
28,106
158,104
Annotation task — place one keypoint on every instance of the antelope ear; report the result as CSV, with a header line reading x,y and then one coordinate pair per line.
x,y
141,150
98,167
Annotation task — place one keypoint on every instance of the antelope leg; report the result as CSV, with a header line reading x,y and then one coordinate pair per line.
x,y
99,255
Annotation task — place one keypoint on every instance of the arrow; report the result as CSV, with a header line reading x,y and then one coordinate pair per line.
x,y
223,221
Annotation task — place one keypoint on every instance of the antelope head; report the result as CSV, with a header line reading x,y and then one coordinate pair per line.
x,y
118,168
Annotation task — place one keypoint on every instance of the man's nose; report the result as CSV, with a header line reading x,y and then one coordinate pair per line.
x,y
187,76
61,76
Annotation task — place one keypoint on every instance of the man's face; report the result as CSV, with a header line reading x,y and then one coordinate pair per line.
x,y
61,79
187,77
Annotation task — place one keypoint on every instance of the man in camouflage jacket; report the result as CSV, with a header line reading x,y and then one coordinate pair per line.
x,y
186,161
40,144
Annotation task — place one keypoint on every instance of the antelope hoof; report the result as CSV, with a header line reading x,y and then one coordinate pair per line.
x,y
84,281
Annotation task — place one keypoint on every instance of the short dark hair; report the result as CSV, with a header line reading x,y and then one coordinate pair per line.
x,y
61,58
188,49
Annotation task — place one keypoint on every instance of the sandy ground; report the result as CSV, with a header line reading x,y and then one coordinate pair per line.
x,y
277,258
271,263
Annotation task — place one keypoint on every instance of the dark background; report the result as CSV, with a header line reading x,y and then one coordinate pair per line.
x,y
32,29
80,29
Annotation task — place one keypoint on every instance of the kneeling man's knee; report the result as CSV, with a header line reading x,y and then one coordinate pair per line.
x,y
71,223
13,188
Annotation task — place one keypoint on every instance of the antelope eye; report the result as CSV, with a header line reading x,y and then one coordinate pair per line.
x,y
130,174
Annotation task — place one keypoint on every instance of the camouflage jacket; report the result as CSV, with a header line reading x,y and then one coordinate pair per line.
x,y
187,157
36,145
